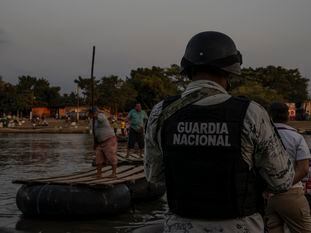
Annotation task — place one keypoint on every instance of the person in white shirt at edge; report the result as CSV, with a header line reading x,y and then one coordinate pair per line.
x,y
214,152
290,207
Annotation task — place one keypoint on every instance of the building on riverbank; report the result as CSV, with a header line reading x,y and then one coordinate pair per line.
x,y
60,112
299,111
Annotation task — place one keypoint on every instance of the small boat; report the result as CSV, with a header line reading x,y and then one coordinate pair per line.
x,y
83,195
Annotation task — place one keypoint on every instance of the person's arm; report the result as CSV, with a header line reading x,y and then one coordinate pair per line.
x,y
95,118
128,117
302,159
153,161
270,158
301,170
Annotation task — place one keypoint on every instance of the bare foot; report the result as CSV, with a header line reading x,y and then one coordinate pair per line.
x,y
112,176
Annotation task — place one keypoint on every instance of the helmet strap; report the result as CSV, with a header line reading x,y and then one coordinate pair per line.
x,y
228,88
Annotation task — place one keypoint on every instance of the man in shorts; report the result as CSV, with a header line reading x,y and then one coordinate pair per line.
x,y
137,118
105,144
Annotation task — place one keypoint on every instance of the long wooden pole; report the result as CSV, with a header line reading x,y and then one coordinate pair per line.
x,y
92,90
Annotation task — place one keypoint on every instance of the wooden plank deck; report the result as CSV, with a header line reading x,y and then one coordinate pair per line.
x,y
125,174
128,170
134,158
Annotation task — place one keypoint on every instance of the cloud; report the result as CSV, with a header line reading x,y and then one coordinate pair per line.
x,y
3,40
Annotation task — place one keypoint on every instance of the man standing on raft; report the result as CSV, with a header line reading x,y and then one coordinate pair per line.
x,y
105,143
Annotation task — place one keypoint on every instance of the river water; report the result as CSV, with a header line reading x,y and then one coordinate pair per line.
x,y
25,156
42,155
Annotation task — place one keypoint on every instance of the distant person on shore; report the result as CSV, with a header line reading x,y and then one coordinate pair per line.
x,y
123,126
115,125
290,207
137,119
214,152
105,142
43,121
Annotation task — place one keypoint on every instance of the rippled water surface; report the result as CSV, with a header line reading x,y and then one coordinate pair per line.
x,y
41,155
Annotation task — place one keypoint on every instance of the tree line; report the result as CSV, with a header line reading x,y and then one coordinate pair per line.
x,y
148,86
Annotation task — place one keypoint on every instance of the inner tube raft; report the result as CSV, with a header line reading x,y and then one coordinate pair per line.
x,y
61,200
82,195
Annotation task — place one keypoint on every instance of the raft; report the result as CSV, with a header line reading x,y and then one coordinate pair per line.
x,y
83,195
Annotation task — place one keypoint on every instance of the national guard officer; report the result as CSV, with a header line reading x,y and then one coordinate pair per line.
x,y
215,153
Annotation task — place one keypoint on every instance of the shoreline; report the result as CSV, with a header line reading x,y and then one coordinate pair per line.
x,y
54,127
303,127
79,130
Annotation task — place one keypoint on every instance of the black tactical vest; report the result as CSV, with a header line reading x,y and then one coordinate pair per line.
x,y
206,176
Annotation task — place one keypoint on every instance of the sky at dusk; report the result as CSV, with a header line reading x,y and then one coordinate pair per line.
x,y
54,39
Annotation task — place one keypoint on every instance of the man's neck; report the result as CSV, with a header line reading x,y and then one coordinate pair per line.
x,y
219,80
282,122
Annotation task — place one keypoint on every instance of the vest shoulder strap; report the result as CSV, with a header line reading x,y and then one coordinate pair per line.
x,y
168,100
169,109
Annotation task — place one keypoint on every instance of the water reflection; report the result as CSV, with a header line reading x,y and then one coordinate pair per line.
x,y
143,214
43,155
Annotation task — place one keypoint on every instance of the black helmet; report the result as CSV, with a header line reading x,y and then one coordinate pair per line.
x,y
212,49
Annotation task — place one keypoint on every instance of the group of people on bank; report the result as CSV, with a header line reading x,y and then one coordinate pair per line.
x,y
244,176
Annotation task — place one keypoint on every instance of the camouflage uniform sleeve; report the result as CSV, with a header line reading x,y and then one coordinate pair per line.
x,y
153,162
269,155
